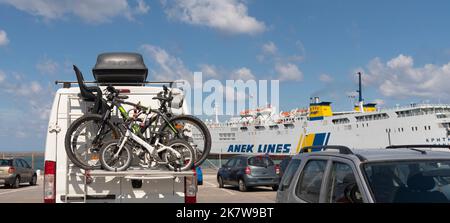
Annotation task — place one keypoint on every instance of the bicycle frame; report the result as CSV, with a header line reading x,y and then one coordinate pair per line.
x,y
151,149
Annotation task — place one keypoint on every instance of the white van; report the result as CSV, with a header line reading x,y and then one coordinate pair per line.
x,y
65,182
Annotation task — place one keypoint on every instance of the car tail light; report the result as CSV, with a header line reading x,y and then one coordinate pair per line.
x,y
277,169
248,171
50,182
190,189
124,91
11,170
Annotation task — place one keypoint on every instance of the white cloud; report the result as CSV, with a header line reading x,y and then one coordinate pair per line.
x,y
228,16
2,76
142,7
209,71
35,87
288,72
91,11
379,102
269,48
242,74
47,66
3,38
398,78
169,67
326,78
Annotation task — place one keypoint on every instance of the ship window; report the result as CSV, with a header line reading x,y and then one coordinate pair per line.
x,y
244,129
416,128
260,128
288,126
340,121
274,127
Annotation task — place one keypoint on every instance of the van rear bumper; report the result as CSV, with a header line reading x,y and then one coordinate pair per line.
x,y
261,181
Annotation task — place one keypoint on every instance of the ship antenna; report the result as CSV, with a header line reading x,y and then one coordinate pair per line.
x,y
360,87
360,100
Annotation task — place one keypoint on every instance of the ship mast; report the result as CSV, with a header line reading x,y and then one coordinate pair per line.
x,y
360,99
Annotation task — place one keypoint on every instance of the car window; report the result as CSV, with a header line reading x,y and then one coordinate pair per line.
x,y
260,161
231,162
284,163
342,186
240,162
424,181
290,171
5,162
25,164
310,182
18,163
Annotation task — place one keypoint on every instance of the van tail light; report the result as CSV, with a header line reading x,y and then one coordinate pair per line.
x,y
11,170
248,171
277,169
50,182
190,189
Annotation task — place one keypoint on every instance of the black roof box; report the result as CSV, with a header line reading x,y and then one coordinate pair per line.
x,y
120,68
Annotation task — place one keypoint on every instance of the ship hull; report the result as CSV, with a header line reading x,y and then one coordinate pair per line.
x,y
359,130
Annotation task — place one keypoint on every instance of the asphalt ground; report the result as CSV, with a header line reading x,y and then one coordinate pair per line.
x,y
209,192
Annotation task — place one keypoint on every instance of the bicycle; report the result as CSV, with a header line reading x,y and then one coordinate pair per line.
x,y
116,155
97,128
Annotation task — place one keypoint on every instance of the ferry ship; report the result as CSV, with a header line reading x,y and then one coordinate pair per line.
x,y
262,131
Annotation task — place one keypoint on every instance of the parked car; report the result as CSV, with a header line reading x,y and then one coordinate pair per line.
x,y
406,174
15,171
283,165
199,172
249,170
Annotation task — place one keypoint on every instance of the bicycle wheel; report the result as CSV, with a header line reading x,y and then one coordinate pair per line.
x,y
192,130
185,162
110,161
82,144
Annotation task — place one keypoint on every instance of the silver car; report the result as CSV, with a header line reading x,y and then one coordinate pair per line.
x,y
15,171
337,174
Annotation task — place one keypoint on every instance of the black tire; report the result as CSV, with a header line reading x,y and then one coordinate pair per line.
x,y
275,187
242,185
16,183
124,159
220,181
70,144
201,154
187,154
33,180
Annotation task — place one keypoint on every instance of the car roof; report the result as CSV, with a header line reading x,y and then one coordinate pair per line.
x,y
375,155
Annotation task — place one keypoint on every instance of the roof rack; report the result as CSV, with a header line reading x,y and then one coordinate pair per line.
x,y
342,150
418,146
67,84
414,147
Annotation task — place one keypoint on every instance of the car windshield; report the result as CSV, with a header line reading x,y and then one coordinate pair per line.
x,y
4,162
409,182
261,161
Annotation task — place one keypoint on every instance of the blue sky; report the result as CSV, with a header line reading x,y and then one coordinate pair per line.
x,y
313,47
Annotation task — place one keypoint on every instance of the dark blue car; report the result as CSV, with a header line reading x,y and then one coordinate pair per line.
x,y
249,170
199,172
